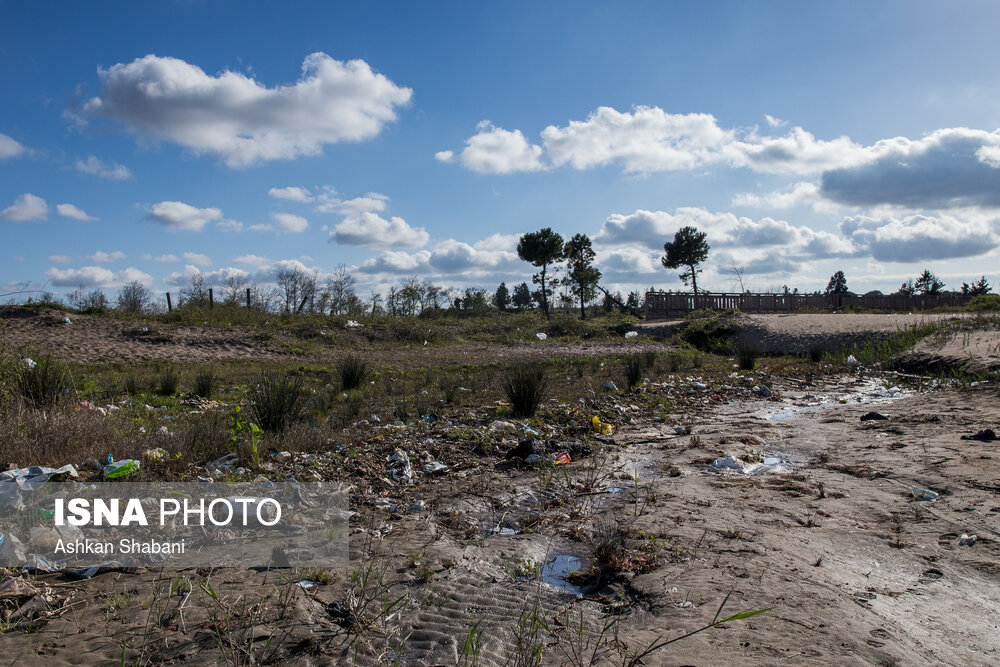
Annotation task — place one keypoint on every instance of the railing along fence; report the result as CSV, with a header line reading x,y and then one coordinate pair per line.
x,y
661,305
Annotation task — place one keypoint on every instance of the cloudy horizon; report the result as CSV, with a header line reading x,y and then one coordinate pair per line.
x,y
153,143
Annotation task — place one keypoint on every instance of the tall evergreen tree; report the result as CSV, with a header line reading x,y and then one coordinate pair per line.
x,y
582,275
688,249
541,249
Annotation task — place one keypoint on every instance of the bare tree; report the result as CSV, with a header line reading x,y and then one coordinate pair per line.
x,y
133,298
233,289
340,291
196,293
738,273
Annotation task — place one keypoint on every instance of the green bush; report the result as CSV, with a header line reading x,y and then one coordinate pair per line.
x,y
167,382
45,384
710,333
746,355
984,302
353,372
525,387
275,400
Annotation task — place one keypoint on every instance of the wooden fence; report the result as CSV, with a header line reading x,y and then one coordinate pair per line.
x,y
664,305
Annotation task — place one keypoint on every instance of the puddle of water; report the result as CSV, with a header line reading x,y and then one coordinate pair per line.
x,y
556,569
869,391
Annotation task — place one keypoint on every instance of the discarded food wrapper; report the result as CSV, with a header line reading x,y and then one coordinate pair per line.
x,y
541,336
158,454
597,426
434,467
305,583
560,458
351,324
967,540
121,468
921,494
632,334
610,386
30,363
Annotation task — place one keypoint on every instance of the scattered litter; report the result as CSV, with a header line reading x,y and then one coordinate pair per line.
x,y
852,360
610,386
765,465
682,430
158,454
532,458
560,458
921,494
401,468
872,416
700,386
223,463
351,324
433,468
632,334
985,435
417,506
305,583
499,425
122,468
967,540
597,426
283,457
762,391
66,320
541,336
30,363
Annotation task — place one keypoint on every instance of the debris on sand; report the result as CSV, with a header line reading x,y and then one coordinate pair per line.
x,y
985,435
399,464
923,495
541,336
873,416
967,540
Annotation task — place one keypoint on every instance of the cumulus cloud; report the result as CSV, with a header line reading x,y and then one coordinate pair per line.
x,y
802,193
648,139
949,168
101,257
292,193
241,120
230,225
197,259
96,276
371,230
918,237
629,261
10,148
395,261
211,278
26,207
774,122
70,211
371,202
177,216
494,150
167,258
292,224
252,260
60,259
498,241
92,165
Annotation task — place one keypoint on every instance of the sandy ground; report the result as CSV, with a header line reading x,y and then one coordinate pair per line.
x,y
853,569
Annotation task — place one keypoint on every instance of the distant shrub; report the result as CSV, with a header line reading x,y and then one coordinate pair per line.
x,y
167,382
275,400
204,382
710,333
134,385
633,365
674,360
746,355
525,387
816,353
353,372
984,302
45,384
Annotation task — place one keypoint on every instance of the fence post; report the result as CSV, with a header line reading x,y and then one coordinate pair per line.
x,y
248,297
170,307
211,299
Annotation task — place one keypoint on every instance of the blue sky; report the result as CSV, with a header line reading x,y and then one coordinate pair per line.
x,y
152,140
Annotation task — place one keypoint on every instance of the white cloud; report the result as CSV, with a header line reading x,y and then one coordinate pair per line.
x,y
261,227
101,257
292,224
114,172
10,148
96,276
26,207
167,258
230,225
629,260
252,260
774,122
211,278
918,237
648,139
242,121
373,231
950,168
803,193
494,150
451,257
70,211
394,261
371,202
291,193
60,259
197,259
175,216
498,241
